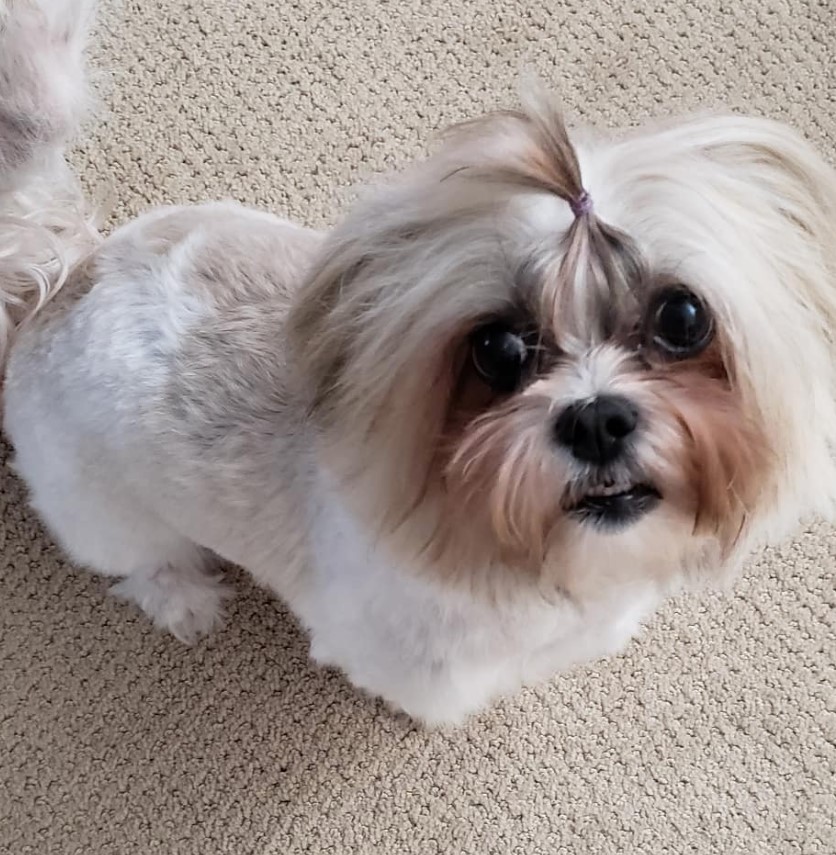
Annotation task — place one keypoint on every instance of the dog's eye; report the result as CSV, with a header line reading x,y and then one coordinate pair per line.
x,y
679,323
499,356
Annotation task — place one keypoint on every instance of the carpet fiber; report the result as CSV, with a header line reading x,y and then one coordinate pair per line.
x,y
712,734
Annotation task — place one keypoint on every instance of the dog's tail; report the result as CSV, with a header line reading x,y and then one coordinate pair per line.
x,y
45,225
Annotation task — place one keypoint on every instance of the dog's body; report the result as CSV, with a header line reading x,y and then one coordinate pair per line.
x,y
145,445
473,434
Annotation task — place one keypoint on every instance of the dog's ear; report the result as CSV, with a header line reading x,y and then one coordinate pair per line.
x,y
322,321
391,278
784,195
796,217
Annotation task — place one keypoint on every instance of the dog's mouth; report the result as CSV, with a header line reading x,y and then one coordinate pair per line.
x,y
613,505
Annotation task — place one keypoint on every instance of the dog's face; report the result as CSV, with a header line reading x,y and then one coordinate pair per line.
x,y
636,390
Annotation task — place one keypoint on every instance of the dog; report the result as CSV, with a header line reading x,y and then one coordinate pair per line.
x,y
528,388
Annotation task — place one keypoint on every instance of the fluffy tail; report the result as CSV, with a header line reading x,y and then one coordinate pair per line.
x,y
45,226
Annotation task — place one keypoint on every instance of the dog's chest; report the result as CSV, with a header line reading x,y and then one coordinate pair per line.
x,y
396,632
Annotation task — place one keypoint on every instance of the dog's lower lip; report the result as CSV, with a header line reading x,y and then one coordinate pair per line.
x,y
613,506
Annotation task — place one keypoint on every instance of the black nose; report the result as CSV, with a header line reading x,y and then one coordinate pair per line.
x,y
595,431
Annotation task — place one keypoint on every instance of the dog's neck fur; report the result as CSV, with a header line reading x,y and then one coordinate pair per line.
x,y
386,618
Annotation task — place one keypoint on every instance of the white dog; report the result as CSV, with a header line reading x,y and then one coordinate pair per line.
x,y
475,433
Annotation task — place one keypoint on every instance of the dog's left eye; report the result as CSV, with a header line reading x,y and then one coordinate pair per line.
x,y
680,324
500,356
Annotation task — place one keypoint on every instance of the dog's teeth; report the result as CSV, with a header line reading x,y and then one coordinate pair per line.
x,y
609,490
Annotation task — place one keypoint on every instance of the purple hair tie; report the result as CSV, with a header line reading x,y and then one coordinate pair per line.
x,y
581,205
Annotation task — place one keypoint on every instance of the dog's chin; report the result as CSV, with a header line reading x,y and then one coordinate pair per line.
x,y
612,506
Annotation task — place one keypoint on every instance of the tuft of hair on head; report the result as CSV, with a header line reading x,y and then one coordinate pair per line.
x,y
599,267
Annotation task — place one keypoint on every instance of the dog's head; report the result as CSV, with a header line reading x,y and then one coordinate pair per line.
x,y
576,360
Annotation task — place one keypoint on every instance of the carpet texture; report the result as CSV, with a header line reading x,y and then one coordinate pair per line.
x,y
714,733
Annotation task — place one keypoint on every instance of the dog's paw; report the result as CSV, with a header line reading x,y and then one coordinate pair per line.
x,y
187,606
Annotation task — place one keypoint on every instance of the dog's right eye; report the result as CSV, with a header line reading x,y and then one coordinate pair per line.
x,y
500,356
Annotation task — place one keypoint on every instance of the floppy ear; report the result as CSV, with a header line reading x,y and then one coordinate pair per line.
x,y
400,271
791,215
798,185
320,324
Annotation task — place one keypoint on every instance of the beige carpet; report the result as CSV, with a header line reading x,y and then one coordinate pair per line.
x,y
713,734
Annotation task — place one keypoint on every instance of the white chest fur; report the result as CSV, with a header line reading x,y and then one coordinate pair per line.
x,y
433,651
